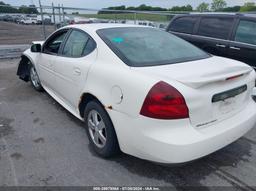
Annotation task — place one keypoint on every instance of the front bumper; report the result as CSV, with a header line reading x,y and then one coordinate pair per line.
x,y
177,141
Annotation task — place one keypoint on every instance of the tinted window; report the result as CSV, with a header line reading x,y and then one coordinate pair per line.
x,y
215,27
246,32
53,45
75,44
90,46
183,25
149,47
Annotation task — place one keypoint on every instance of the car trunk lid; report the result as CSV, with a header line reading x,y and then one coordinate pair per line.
x,y
214,88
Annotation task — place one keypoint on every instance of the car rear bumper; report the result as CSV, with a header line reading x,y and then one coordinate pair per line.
x,y
177,141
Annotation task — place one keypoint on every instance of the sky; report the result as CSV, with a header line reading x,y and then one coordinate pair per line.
x,y
98,4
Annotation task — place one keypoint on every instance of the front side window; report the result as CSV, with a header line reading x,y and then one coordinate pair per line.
x,y
246,32
141,46
53,45
215,27
75,44
183,25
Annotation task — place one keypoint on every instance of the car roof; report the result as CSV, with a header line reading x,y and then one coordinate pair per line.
x,y
250,14
93,27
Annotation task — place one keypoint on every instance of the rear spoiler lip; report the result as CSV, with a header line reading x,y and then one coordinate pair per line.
x,y
202,81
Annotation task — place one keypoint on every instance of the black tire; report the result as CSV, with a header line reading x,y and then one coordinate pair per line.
x,y
111,147
37,86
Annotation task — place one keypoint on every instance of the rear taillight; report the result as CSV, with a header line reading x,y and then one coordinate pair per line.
x,y
164,102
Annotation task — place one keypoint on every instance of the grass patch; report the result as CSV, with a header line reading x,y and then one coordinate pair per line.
x,y
130,16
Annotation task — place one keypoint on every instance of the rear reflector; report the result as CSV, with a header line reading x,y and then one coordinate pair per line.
x,y
164,102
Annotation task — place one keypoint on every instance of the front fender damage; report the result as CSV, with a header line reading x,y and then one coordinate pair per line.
x,y
23,69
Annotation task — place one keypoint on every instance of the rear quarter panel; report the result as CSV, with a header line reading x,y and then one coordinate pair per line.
x,y
109,73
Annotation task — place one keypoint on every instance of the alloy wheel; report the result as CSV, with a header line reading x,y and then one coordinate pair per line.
x,y
97,129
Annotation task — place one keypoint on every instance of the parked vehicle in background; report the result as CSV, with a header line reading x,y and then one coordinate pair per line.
x,y
147,23
60,22
47,19
7,18
229,35
162,26
1,17
80,20
28,21
20,18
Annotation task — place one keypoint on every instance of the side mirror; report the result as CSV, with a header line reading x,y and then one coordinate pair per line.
x,y
36,48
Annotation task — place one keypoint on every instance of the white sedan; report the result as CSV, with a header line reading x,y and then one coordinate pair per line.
x,y
143,91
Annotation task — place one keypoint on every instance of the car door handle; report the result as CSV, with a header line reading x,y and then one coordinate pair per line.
x,y
234,48
77,71
221,45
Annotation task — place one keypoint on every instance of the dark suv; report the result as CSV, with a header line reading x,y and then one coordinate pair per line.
x,y
228,35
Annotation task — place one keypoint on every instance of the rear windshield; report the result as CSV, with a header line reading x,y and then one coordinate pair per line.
x,y
141,46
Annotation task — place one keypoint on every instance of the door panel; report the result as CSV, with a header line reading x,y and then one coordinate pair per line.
x,y
213,33
46,70
243,52
71,75
71,68
46,59
211,45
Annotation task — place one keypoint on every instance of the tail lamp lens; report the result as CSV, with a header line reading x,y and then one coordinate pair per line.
x,y
164,102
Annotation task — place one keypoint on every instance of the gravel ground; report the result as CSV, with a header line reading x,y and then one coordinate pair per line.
x,y
42,144
15,38
11,33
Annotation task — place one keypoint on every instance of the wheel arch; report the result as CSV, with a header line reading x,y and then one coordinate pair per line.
x,y
85,99
24,67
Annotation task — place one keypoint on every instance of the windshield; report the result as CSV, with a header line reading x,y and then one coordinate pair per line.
x,y
141,46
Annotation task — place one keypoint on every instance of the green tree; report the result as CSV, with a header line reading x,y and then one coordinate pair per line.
x,y
249,6
142,7
122,7
28,10
203,7
75,13
186,8
7,8
218,5
131,8
232,9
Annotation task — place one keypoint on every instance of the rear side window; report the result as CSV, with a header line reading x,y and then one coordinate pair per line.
x,y
78,44
183,25
246,32
215,27
90,46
